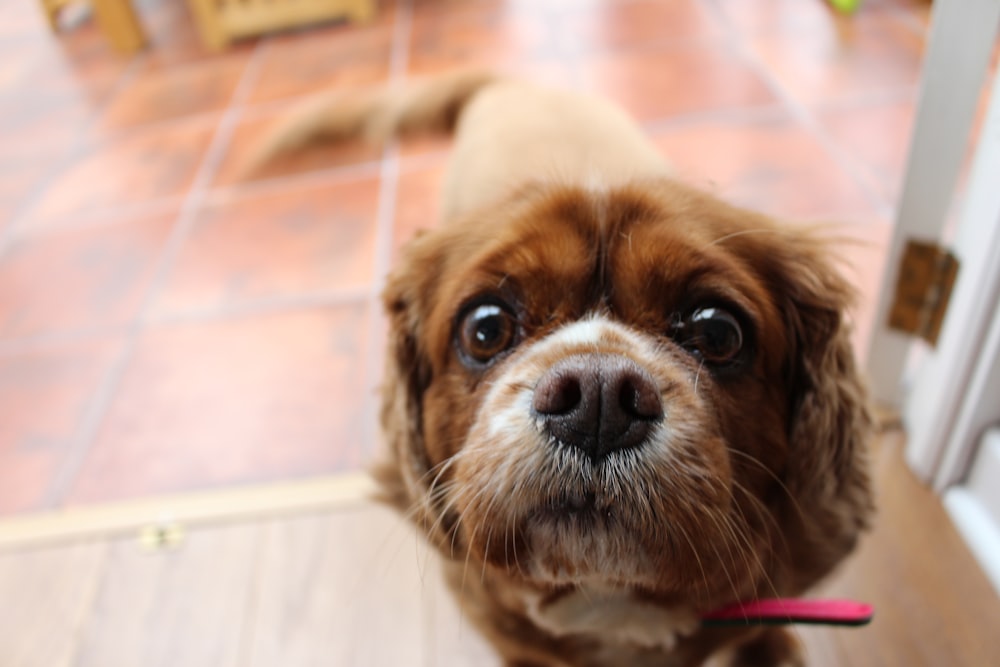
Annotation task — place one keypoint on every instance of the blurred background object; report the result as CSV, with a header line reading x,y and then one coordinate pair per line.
x,y
219,21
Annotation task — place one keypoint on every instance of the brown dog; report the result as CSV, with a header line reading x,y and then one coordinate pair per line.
x,y
612,402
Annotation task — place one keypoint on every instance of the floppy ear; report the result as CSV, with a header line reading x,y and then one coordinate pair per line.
x,y
405,473
405,378
831,424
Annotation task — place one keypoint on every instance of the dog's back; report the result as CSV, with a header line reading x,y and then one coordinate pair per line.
x,y
508,133
513,132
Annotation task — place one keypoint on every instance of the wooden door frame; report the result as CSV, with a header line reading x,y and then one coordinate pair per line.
x,y
960,45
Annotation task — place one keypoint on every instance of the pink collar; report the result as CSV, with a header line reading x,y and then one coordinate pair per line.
x,y
783,611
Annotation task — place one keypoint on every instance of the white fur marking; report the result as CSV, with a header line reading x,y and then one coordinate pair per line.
x,y
615,614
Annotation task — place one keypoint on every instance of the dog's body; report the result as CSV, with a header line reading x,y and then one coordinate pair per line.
x,y
613,403
533,134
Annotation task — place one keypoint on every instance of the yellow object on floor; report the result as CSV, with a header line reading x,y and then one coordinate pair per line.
x,y
223,21
220,22
116,19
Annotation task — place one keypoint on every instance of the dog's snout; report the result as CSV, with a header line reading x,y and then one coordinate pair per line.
x,y
598,403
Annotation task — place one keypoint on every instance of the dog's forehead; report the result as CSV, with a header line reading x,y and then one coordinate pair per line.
x,y
575,249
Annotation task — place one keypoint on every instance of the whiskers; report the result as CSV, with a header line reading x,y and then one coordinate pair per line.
x,y
448,500
433,507
777,480
697,376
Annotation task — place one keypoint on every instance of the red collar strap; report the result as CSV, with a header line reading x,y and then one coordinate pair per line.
x,y
784,611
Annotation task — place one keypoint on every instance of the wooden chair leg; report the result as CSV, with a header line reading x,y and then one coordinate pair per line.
x,y
119,24
52,9
212,33
362,11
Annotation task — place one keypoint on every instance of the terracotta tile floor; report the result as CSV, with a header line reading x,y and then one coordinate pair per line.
x,y
168,324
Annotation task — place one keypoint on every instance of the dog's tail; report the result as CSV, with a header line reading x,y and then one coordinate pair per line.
x,y
428,106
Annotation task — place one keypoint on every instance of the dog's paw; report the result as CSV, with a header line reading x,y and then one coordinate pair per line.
x,y
616,616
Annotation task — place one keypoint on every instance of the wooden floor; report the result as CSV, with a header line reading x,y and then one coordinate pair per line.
x,y
351,585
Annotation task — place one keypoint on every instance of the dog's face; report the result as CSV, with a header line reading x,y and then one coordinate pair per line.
x,y
642,388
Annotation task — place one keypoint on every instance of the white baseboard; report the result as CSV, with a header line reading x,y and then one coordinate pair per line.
x,y
187,509
978,528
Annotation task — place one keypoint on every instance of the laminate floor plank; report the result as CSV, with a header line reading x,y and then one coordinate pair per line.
x,y
933,604
339,588
45,599
185,606
453,640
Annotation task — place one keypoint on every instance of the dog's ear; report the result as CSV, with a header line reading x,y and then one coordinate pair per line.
x,y
406,300
830,421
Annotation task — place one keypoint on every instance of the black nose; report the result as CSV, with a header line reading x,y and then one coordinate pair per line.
x,y
598,403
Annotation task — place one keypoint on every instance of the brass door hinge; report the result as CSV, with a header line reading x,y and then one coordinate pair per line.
x,y
926,276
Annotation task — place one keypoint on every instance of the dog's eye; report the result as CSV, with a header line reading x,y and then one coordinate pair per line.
x,y
712,334
486,331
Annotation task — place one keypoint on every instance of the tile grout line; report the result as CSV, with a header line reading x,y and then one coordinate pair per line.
x,y
105,216
888,95
748,114
908,21
90,425
197,115
10,231
800,113
248,625
15,345
260,109
110,215
780,109
781,113
201,184
331,175
385,218
87,609
100,215
339,297
338,174
100,404
145,127
90,421
567,55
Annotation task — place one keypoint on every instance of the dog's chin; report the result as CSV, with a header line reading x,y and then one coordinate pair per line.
x,y
583,537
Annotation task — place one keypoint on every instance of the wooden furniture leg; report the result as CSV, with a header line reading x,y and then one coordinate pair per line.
x,y
119,24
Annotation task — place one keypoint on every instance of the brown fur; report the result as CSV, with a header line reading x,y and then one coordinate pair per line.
x,y
757,485
432,106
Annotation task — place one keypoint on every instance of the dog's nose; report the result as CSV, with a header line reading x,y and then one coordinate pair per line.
x,y
598,403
